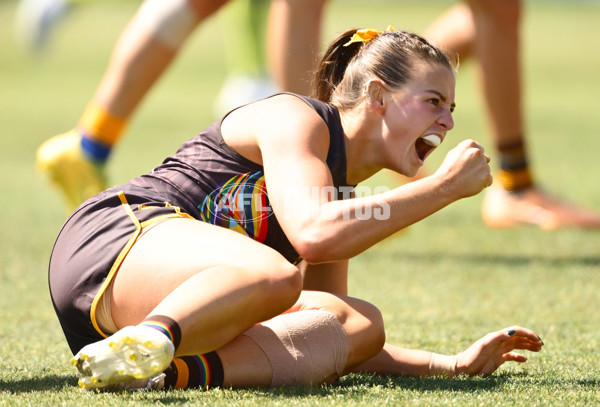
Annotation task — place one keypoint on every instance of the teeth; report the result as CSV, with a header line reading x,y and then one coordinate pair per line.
x,y
432,140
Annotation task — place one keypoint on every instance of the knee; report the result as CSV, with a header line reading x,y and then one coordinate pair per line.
x,y
364,325
290,280
283,282
375,330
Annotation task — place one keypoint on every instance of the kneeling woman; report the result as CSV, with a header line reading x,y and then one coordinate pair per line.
x,y
201,268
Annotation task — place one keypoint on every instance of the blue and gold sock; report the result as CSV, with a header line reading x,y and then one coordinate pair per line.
x,y
100,130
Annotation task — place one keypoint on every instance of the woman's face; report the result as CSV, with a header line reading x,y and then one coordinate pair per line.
x,y
417,117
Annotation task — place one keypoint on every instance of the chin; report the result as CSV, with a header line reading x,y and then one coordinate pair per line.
x,y
411,173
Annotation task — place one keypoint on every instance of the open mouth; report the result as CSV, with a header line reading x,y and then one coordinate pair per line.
x,y
426,144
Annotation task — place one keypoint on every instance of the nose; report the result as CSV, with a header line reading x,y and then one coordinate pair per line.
x,y
446,120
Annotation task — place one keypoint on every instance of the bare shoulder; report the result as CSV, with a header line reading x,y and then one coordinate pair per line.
x,y
276,124
289,108
293,117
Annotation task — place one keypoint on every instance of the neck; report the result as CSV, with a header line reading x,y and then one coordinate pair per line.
x,y
362,157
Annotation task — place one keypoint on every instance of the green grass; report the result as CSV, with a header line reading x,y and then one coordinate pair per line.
x,y
441,285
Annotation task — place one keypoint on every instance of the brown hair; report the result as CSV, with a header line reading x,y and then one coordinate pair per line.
x,y
390,56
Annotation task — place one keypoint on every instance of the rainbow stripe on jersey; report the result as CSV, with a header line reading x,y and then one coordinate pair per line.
x,y
240,204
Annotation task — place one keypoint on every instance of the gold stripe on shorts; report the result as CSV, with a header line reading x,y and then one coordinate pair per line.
x,y
117,264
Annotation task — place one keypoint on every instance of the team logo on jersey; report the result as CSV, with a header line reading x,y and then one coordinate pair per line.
x,y
240,204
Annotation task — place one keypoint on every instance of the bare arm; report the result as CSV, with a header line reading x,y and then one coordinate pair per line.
x,y
328,277
293,143
326,230
481,358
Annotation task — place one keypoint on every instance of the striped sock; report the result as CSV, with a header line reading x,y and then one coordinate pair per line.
x,y
100,130
514,171
94,150
189,372
165,325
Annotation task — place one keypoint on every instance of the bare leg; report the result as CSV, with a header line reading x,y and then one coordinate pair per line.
x,y
183,269
293,42
74,161
497,48
454,31
245,364
489,31
214,282
139,59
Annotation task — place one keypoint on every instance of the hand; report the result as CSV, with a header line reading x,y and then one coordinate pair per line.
x,y
466,169
491,351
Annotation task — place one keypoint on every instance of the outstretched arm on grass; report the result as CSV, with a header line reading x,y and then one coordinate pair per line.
x,y
481,358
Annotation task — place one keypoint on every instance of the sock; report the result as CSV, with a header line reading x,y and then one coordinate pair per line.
x,y
100,130
189,372
94,150
514,171
165,325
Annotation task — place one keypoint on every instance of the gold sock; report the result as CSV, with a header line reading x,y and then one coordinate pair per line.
x,y
514,180
101,125
514,171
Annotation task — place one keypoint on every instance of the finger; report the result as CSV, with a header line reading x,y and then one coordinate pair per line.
x,y
508,340
469,143
519,331
523,344
527,343
487,158
513,357
530,347
492,366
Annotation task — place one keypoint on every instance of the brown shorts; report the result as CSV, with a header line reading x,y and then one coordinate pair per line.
x,y
89,251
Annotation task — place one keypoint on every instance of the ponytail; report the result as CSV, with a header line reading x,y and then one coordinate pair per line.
x,y
389,56
333,66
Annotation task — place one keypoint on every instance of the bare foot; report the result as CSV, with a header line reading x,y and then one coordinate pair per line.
x,y
533,206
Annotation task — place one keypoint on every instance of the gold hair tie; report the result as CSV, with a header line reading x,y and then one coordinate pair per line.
x,y
366,35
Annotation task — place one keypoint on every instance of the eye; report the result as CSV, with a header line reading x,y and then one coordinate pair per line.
x,y
434,101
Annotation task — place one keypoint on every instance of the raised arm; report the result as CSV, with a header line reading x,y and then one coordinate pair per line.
x,y
294,145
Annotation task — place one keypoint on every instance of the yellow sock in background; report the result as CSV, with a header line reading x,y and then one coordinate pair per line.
x,y
100,131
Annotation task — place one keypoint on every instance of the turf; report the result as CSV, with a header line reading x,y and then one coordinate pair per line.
x,y
440,285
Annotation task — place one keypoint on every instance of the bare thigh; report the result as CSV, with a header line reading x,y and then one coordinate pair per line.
x,y
210,279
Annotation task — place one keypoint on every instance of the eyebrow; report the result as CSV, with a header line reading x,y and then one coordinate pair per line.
x,y
442,97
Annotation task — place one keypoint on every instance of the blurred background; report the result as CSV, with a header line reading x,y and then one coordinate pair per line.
x,y
535,278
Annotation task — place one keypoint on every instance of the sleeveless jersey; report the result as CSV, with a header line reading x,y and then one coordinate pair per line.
x,y
211,182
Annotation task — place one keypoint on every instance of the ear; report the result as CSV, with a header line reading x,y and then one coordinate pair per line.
x,y
375,91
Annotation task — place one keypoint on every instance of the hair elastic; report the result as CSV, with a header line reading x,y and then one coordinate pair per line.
x,y
367,34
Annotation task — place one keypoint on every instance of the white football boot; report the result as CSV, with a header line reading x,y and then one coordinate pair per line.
x,y
125,360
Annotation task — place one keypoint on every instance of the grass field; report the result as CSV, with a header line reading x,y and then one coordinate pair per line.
x,y
441,285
